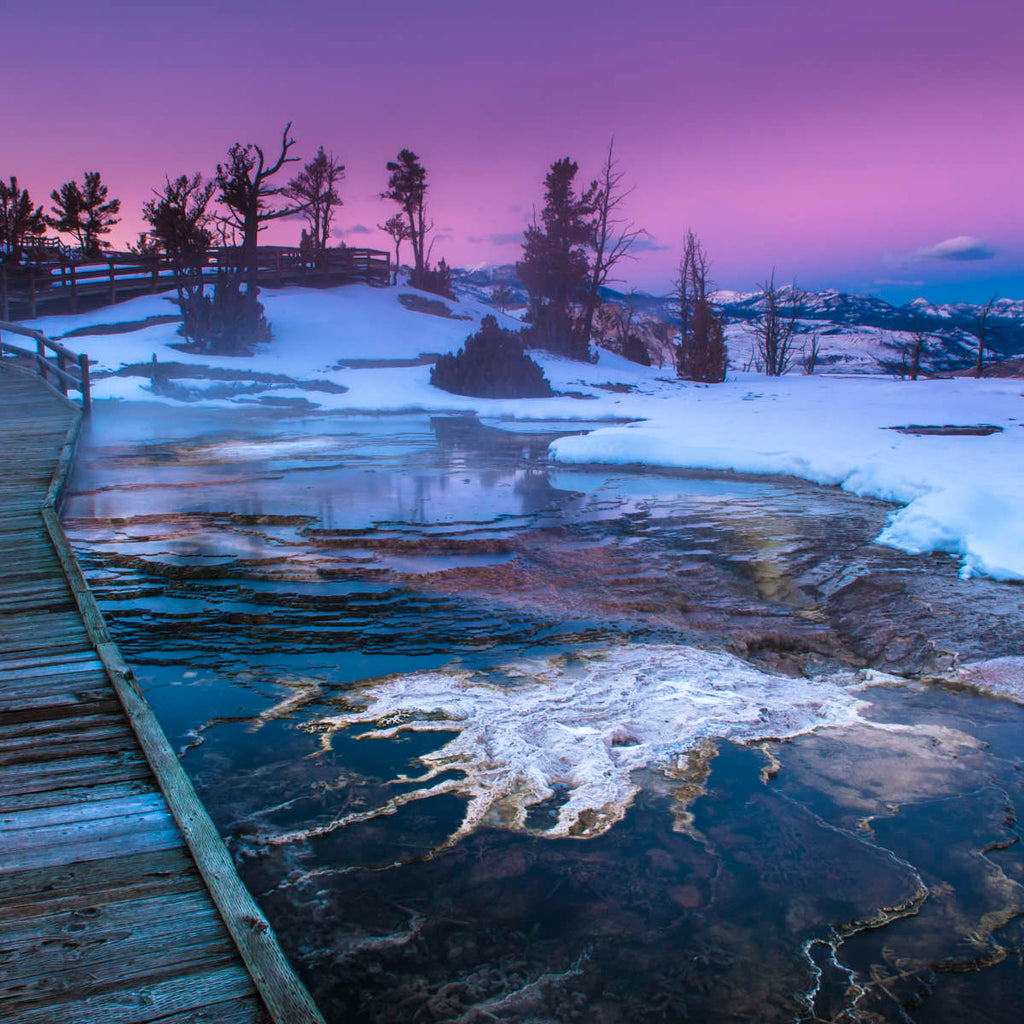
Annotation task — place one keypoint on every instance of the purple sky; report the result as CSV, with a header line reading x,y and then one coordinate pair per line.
x,y
869,146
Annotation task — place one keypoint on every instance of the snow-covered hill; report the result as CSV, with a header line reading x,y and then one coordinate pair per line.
x,y
854,332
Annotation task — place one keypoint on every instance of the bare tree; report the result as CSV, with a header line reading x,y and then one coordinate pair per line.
x,y
398,228
983,331
913,361
314,191
244,183
811,355
612,236
775,328
701,353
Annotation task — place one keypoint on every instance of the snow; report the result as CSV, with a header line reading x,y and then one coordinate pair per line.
x,y
960,494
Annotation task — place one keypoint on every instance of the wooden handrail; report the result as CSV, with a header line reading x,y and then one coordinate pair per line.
x,y
122,274
48,367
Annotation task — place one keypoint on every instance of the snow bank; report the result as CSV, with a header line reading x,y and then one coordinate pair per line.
x,y
960,494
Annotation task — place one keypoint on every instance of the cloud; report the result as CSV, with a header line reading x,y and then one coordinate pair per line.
x,y
506,238
894,282
962,248
357,229
647,243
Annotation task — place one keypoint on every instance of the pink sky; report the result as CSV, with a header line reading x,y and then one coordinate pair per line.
x,y
836,142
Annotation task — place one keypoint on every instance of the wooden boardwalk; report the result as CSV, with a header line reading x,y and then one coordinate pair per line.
x,y
116,902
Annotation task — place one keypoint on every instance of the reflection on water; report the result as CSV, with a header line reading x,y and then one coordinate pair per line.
x,y
493,742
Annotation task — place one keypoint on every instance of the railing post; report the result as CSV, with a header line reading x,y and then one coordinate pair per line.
x,y
74,290
31,295
83,366
5,313
152,280
62,365
41,358
113,284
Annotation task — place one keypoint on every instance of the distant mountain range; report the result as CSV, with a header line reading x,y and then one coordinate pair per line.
x,y
824,312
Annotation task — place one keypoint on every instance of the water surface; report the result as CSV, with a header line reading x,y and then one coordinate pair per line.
x,y
491,740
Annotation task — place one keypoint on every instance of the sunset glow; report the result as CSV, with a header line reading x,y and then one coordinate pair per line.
x,y
842,144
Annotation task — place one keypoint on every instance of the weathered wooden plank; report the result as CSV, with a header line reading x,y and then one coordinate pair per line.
x,y
68,796
24,708
112,960
45,891
145,1003
112,807
12,728
45,749
27,778
46,663
235,1011
55,845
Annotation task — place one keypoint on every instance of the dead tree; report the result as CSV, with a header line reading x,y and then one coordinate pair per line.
x,y
244,183
774,330
983,331
913,355
611,236
810,357
398,228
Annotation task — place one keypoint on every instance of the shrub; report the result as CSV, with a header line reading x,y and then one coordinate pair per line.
x,y
491,364
229,322
438,281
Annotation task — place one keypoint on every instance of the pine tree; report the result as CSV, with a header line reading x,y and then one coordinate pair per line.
x,y
314,191
85,212
18,219
554,266
180,221
407,186
701,353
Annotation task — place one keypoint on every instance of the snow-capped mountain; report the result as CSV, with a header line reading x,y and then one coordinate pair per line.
x,y
854,331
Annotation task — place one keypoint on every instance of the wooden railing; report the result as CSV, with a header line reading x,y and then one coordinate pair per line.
x,y
64,283
57,365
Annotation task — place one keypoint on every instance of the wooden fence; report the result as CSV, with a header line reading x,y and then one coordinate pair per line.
x,y
60,285
58,366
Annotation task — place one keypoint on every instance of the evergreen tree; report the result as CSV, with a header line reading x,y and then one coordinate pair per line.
x,y
85,212
701,354
407,186
554,266
314,191
18,219
180,226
